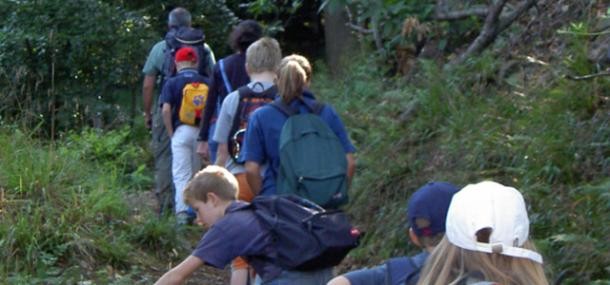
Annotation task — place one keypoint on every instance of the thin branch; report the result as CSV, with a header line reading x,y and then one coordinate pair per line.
x,y
444,15
363,30
487,35
588,76
522,8
359,29
493,26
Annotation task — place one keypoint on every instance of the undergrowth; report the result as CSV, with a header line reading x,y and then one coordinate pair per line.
x,y
64,216
464,125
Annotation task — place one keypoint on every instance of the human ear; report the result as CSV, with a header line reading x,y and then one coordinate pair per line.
x,y
414,237
212,198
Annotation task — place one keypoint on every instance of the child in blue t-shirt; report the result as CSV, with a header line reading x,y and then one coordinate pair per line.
x,y
182,100
261,144
426,215
233,231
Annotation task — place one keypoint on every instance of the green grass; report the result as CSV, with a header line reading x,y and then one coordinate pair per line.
x,y
64,217
464,125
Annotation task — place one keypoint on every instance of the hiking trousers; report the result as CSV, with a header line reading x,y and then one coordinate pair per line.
x,y
185,161
287,277
162,155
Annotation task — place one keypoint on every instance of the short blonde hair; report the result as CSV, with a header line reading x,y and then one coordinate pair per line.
x,y
263,55
212,179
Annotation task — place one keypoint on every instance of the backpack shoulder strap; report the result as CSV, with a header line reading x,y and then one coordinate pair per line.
x,y
314,107
286,110
243,92
225,79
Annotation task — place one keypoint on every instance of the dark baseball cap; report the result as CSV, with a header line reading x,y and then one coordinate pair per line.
x,y
430,202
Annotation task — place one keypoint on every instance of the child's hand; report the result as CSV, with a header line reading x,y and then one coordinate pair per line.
x,y
202,150
147,121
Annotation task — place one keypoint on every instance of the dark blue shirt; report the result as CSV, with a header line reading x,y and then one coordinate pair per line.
x,y
172,91
238,233
263,137
235,69
396,271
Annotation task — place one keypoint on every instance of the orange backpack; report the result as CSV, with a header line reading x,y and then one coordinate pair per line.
x,y
194,95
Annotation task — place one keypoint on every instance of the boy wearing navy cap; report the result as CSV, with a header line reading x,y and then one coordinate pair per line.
x,y
426,215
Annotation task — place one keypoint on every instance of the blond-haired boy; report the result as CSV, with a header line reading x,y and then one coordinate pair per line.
x,y
233,231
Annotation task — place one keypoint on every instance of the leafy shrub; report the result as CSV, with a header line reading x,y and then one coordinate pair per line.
x,y
549,141
64,68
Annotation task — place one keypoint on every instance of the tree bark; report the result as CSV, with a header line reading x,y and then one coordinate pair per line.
x,y
493,26
339,38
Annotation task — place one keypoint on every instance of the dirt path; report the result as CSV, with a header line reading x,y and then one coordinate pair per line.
x,y
152,268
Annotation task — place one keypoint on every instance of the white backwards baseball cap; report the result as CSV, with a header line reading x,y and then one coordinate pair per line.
x,y
490,205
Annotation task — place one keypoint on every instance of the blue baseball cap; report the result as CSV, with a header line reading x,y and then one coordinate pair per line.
x,y
430,202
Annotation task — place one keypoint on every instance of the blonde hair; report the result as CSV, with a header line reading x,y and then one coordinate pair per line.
x,y
292,77
212,179
448,264
263,55
302,61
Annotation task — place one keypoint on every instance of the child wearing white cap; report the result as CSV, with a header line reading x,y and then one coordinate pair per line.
x,y
486,240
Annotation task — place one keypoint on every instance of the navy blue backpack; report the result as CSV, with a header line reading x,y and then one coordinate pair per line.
x,y
305,236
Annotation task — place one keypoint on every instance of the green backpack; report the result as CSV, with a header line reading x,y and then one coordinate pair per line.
x,y
312,159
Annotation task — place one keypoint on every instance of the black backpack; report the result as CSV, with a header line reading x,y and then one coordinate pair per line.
x,y
249,101
305,236
177,38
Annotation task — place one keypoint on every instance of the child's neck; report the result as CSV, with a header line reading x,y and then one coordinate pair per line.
x,y
266,76
225,204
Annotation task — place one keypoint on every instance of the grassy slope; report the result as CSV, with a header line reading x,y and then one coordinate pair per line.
x,y
550,140
75,210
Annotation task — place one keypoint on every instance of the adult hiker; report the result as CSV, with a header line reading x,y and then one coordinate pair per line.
x,y
154,75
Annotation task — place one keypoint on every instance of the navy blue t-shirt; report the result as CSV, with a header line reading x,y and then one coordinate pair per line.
x,y
172,91
238,233
235,69
395,271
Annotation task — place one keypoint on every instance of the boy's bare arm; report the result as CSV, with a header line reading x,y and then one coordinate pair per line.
x,y
167,118
351,168
180,273
254,177
339,280
222,154
148,87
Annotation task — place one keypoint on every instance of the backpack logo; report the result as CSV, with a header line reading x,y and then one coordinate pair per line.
x,y
312,159
249,101
194,95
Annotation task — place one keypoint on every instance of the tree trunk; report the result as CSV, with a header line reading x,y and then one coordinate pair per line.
x,y
339,40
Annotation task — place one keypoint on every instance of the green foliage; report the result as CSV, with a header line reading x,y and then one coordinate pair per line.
x,y
460,125
64,68
64,211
